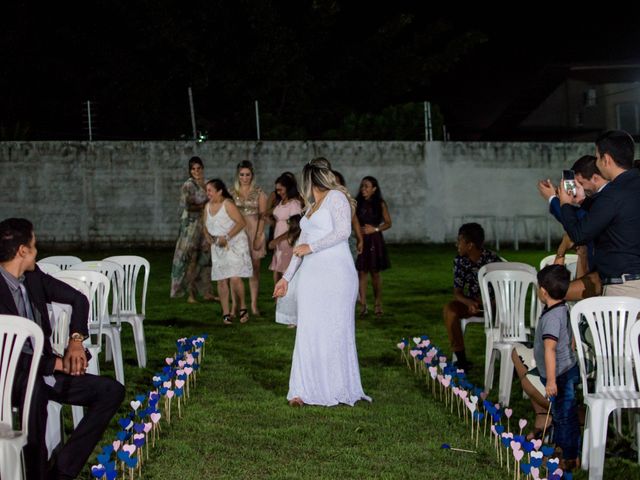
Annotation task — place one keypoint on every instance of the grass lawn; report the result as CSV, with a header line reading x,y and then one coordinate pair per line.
x,y
238,424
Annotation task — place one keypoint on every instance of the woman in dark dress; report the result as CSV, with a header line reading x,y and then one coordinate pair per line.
x,y
374,218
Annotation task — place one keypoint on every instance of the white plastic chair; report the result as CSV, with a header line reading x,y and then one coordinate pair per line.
x,y
54,432
14,331
62,261
111,323
49,267
132,266
610,320
508,325
570,261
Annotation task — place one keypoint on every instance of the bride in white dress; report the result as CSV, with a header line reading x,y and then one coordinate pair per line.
x,y
324,370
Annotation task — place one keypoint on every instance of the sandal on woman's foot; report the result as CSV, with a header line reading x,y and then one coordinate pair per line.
x,y
296,402
226,319
364,311
378,311
243,315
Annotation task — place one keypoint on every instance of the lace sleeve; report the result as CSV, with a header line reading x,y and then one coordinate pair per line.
x,y
340,212
295,262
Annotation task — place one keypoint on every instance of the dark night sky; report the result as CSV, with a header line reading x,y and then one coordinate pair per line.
x,y
310,63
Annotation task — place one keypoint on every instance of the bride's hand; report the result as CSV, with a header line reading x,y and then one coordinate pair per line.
x,y
280,290
301,250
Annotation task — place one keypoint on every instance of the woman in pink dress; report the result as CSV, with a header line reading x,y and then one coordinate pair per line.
x,y
290,204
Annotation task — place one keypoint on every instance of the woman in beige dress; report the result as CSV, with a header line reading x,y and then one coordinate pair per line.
x,y
252,203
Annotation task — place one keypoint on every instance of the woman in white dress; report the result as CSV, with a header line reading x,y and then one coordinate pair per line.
x,y
230,255
324,370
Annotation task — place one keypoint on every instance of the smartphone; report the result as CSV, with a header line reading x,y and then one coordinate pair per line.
x,y
569,181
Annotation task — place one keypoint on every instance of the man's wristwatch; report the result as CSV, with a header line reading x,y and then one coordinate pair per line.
x,y
77,337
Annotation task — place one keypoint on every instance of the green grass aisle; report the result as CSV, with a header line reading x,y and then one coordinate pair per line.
x,y
237,423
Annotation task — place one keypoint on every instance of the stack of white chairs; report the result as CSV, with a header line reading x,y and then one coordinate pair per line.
x,y
49,267
128,310
14,331
110,323
63,262
612,323
513,283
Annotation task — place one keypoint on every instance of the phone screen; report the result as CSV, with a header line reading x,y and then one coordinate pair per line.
x,y
569,181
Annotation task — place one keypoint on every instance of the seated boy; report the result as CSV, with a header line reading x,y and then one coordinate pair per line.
x,y
466,289
556,361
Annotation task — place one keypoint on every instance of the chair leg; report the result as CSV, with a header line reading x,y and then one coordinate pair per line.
x,y
598,441
77,413
489,365
107,347
141,347
506,377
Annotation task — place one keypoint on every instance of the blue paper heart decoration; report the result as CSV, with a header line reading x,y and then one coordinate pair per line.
x,y
499,429
179,392
123,456
107,450
141,398
547,451
521,439
527,447
163,391
506,441
496,417
138,442
125,423
122,435
568,476
536,462
103,458
552,466
166,370
139,427
111,474
526,468
98,471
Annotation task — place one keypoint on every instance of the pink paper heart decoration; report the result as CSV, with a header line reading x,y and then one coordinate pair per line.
x,y
555,460
138,436
537,454
147,427
190,359
426,360
181,363
414,353
535,473
456,391
400,345
188,370
558,472
522,423
536,445
508,412
473,398
518,454
463,394
170,393
433,371
442,359
471,406
515,445
179,383
129,449
155,417
446,382
179,372
493,429
116,445
497,405
417,340
135,404
167,384
507,435
169,360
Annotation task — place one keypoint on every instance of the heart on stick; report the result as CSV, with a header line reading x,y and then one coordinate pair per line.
x,y
518,454
116,445
522,423
155,417
135,404
130,449
508,412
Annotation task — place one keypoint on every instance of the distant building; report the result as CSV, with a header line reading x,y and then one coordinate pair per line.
x,y
572,103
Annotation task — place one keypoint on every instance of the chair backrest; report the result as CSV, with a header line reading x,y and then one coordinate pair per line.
x,y
511,288
609,320
489,316
62,261
60,330
132,265
99,287
634,341
14,331
113,271
570,261
48,267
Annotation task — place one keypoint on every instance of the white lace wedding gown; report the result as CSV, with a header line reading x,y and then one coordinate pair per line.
x,y
325,370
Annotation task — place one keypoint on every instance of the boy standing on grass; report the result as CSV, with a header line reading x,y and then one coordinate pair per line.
x,y
556,361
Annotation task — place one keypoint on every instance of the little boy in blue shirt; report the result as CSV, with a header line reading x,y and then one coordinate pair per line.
x,y
556,360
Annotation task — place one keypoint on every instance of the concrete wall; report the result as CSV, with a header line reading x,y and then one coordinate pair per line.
x,y
114,193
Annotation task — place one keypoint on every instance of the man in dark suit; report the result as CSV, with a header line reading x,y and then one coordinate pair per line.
x,y
25,291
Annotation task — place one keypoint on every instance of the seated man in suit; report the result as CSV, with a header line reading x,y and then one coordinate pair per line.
x,y
25,291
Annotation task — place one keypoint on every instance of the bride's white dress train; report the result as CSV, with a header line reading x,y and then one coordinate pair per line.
x,y
325,370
